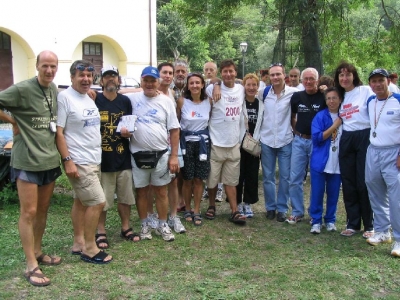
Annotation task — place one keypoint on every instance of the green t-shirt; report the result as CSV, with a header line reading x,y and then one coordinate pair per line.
x,y
34,149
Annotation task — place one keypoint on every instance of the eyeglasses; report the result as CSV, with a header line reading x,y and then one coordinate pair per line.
x,y
108,75
276,65
82,68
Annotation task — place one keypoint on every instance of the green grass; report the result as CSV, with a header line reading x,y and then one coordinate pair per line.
x,y
262,260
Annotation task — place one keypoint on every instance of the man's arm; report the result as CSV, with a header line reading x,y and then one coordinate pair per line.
x,y
69,165
173,159
293,121
9,119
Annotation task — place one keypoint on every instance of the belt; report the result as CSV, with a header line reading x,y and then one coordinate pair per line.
x,y
302,135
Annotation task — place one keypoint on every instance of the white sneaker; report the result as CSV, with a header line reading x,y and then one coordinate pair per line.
x,y
218,198
240,208
316,229
165,232
331,227
205,194
152,220
396,249
248,212
380,237
145,232
176,223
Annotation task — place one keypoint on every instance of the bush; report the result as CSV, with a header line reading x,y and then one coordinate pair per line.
x,y
8,194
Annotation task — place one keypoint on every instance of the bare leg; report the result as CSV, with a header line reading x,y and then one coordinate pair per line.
x,y
77,217
150,200
101,227
187,193
173,197
197,191
142,201
161,201
124,211
211,195
231,194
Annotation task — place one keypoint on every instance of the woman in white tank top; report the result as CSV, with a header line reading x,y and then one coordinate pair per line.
x,y
193,111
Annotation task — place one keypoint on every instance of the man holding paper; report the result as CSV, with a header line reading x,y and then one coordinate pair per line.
x,y
116,169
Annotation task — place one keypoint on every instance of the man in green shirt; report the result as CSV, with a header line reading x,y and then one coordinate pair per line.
x,y
35,162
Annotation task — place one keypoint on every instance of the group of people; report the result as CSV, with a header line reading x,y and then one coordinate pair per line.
x,y
188,130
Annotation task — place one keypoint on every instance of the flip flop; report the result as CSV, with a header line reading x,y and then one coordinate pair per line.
x,y
348,232
28,275
46,263
97,259
76,252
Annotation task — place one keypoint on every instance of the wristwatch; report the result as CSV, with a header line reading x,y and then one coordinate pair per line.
x,y
217,83
67,158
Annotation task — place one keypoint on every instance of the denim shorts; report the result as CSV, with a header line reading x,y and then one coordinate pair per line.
x,y
39,177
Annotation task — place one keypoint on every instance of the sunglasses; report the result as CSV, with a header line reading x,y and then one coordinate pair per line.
x,y
82,68
276,65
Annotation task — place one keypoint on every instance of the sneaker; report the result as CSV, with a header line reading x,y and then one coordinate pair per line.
x,y
241,208
293,219
153,220
176,223
316,229
165,232
331,227
145,232
248,212
205,195
281,217
396,249
270,214
218,198
380,237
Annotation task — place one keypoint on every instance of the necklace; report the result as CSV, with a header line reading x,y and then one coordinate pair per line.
x,y
334,138
376,120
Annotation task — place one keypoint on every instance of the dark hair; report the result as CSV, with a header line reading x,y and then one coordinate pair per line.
x,y
264,72
326,80
166,64
333,89
187,94
350,68
227,63
85,63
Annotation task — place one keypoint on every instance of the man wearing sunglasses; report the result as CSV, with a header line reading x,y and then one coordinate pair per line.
x,y
35,163
116,169
79,143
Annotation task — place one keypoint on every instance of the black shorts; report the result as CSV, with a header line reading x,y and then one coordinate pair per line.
x,y
39,177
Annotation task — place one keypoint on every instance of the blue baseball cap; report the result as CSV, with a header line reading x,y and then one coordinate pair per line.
x,y
381,72
150,71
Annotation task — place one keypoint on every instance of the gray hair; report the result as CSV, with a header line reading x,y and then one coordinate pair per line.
x,y
182,63
85,63
312,70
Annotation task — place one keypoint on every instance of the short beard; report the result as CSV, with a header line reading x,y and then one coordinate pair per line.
x,y
111,88
179,83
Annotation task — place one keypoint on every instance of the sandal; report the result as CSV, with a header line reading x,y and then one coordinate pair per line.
x,y
131,236
197,220
28,275
99,258
52,261
102,241
368,233
237,218
181,209
210,213
188,215
348,232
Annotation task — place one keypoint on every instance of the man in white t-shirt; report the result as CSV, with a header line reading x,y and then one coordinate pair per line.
x,y
383,161
294,78
151,164
224,133
78,140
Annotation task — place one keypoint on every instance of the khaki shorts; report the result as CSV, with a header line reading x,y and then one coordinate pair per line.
x,y
120,183
225,166
87,187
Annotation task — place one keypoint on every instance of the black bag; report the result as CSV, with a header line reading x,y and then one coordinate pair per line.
x,y
148,159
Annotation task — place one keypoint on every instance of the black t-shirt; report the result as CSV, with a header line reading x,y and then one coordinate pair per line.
x,y
306,107
252,112
115,154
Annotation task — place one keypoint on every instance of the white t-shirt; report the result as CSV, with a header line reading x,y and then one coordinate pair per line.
x,y
332,165
353,110
225,115
80,118
300,87
195,117
155,117
388,126
394,88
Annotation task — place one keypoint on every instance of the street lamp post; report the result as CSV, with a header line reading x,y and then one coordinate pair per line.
x,y
243,48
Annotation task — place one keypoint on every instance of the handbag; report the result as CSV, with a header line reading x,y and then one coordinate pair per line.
x,y
251,145
147,159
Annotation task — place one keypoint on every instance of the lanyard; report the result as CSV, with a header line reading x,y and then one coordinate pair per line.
x,y
47,100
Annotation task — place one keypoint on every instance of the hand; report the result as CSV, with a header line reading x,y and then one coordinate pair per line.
x,y
322,88
338,122
15,129
92,94
173,164
125,133
216,92
70,169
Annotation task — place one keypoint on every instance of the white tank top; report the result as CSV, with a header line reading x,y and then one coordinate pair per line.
x,y
194,117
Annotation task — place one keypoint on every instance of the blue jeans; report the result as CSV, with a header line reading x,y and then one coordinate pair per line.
x,y
301,153
320,182
268,162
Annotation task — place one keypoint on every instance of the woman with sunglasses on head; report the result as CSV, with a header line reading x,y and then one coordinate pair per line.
x,y
193,111
353,149
247,189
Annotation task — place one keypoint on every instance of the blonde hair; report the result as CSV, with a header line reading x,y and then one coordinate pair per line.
x,y
251,76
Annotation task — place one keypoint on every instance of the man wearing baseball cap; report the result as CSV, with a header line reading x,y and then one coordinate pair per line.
x,y
383,160
116,169
151,164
